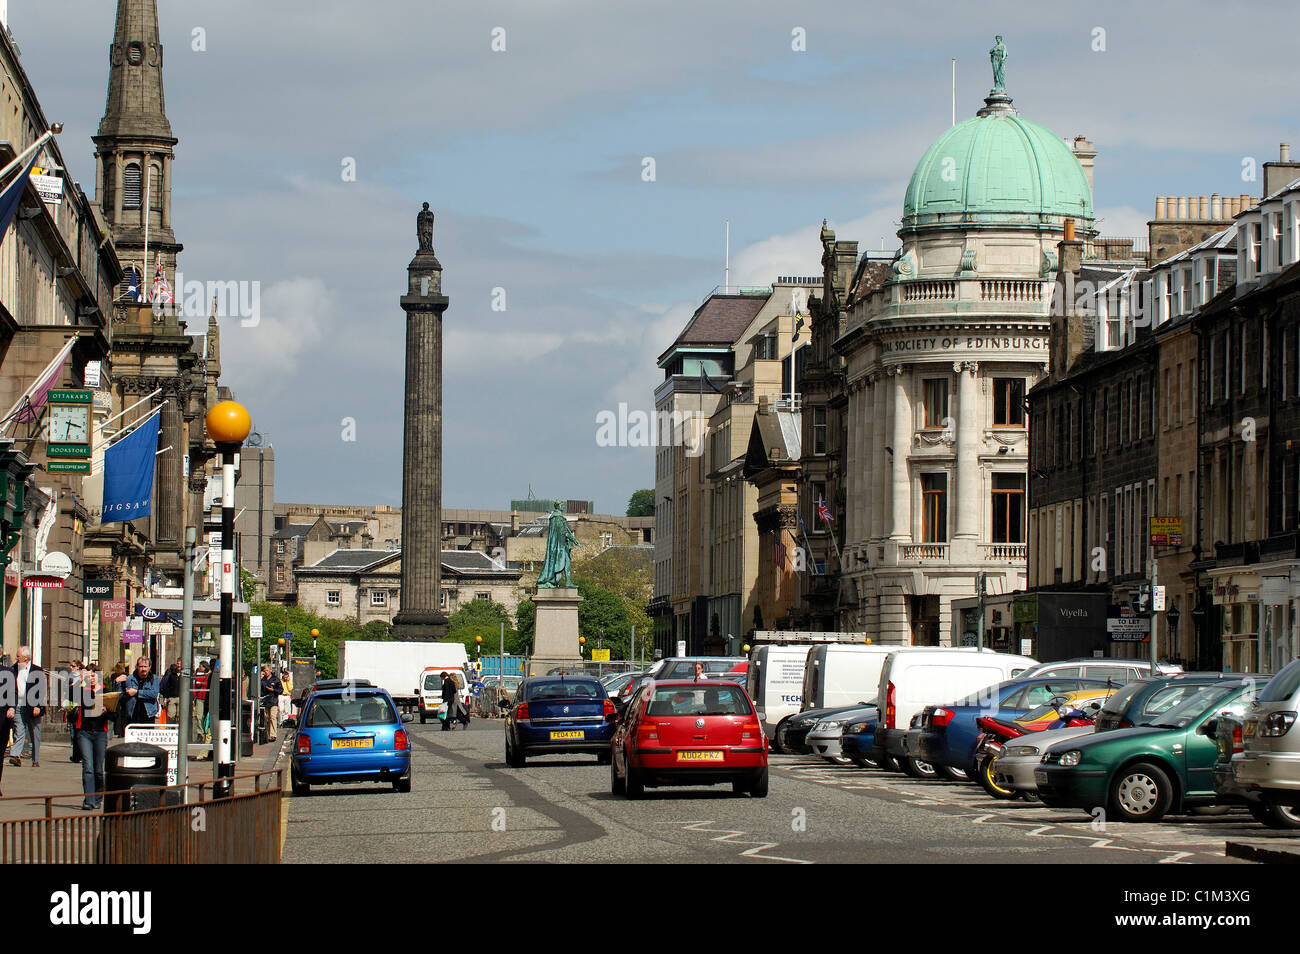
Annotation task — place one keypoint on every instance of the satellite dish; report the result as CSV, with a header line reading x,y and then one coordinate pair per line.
x,y
254,439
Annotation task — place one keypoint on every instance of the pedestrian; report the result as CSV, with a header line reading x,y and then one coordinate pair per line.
x,y
90,737
286,695
170,688
29,683
448,702
8,699
70,714
115,686
200,697
269,688
140,694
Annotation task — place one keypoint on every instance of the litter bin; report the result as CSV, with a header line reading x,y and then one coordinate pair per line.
x,y
245,731
129,766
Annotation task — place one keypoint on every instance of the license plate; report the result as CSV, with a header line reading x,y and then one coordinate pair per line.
x,y
1248,730
574,734
352,743
712,756
1040,776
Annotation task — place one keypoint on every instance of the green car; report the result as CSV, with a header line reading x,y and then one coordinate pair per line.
x,y
1143,773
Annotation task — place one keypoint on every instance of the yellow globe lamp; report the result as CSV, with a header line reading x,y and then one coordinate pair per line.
x,y
745,649
315,633
229,423
280,640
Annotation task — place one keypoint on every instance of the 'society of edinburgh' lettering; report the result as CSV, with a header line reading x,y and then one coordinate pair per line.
x,y
967,342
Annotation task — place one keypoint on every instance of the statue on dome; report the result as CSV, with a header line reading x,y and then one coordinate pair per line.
x,y
998,56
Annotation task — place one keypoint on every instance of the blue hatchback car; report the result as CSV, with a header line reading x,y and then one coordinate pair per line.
x,y
559,714
350,735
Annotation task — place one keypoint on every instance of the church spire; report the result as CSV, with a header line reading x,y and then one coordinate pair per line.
x,y
134,145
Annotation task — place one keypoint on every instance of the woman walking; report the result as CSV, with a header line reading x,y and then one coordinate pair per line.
x,y
90,735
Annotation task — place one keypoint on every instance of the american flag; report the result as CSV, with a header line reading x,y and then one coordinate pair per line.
x,y
161,290
823,512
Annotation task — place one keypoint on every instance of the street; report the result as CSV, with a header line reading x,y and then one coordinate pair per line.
x,y
466,805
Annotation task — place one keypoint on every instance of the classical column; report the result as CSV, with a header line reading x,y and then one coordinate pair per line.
x,y
968,499
878,407
171,490
852,464
420,617
867,473
900,484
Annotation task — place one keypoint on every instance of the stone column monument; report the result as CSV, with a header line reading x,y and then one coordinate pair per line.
x,y
420,617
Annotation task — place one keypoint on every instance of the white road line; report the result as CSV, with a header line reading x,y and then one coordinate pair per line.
x,y
730,837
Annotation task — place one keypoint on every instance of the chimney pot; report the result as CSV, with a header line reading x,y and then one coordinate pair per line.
x,y
1160,207
1216,206
1203,207
1182,207
1284,152
1069,230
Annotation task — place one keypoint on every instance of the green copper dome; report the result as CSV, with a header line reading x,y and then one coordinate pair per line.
x,y
997,168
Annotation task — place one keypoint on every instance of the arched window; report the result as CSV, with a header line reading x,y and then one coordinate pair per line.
x,y
132,186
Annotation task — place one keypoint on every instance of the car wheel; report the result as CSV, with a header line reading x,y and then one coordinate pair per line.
x,y
838,759
635,787
953,774
779,738
1275,815
861,761
603,758
918,769
758,788
984,776
890,764
1141,793
402,784
616,785
1211,811
300,787
514,759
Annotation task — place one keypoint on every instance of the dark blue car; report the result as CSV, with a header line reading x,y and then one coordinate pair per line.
x,y
353,734
859,740
948,733
559,715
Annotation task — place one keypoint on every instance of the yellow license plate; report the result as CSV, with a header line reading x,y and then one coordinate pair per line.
x,y
352,743
1248,730
574,734
711,756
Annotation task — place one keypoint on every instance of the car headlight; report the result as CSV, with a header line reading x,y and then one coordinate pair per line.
x,y
1071,758
858,727
1020,751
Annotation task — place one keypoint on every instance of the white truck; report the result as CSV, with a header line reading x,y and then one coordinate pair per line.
x,y
398,666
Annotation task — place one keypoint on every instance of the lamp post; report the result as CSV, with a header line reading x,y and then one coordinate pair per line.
x,y
228,425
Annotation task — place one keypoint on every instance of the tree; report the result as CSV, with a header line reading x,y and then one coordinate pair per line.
x,y
642,504
628,573
482,618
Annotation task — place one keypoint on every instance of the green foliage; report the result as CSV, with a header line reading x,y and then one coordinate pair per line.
x,y
627,576
641,504
526,623
482,618
277,619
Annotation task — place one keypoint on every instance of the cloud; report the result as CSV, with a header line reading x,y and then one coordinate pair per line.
x,y
290,321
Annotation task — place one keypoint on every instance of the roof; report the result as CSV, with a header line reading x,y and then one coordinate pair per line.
x,y
470,561
344,559
994,166
719,321
291,530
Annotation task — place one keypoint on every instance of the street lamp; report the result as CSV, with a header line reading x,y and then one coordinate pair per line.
x,y
582,643
228,425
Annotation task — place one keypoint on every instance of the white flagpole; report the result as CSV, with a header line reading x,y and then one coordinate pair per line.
x,y
128,410
57,360
148,190
22,157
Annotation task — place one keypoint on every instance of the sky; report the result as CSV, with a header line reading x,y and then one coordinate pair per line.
x,y
527,127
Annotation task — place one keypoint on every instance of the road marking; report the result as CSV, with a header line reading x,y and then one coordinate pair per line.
x,y
730,837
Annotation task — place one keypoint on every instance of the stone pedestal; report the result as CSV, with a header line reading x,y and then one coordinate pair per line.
x,y
555,631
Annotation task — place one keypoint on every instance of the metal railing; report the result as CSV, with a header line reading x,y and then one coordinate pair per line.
x,y
243,828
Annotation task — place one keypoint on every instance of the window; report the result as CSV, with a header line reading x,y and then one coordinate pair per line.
x,y
442,599
936,401
333,597
1241,357
1008,402
1008,508
1263,353
934,508
606,540
1227,364
483,596
279,546
819,430
132,186
347,710
378,598
1256,243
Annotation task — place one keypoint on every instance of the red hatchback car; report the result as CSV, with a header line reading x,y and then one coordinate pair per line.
x,y
682,732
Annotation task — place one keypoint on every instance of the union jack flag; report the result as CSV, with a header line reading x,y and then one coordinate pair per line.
x,y
823,512
778,552
161,290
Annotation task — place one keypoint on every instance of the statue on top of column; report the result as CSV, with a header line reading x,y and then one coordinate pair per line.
x,y
424,228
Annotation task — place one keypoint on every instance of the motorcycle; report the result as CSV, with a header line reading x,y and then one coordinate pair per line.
x,y
997,732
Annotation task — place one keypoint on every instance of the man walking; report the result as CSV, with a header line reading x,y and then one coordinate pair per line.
x,y
29,681
270,693
170,690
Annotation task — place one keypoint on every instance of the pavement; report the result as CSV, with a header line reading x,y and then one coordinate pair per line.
x,y
467,805
26,788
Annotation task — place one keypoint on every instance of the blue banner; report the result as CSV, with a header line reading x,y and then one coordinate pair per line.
x,y
12,196
128,473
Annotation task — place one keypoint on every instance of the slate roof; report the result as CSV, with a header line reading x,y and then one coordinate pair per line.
x,y
351,560
719,321
291,530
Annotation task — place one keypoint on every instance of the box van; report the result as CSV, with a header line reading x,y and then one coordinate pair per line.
x,y
775,683
837,675
910,681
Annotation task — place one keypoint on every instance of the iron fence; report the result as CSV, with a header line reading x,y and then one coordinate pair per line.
x,y
243,828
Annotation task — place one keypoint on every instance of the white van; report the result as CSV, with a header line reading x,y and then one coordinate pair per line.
x,y
838,675
775,683
910,681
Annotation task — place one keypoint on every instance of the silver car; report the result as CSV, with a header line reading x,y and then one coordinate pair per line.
x,y
1014,768
824,738
1270,762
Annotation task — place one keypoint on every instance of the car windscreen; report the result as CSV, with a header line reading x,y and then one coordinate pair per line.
x,y
1282,686
350,710
1117,703
565,689
1196,704
433,681
1162,700
693,701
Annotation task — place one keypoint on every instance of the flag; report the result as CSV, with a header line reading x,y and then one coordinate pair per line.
x,y
823,512
161,290
128,472
36,395
705,382
12,196
798,325
133,284
778,553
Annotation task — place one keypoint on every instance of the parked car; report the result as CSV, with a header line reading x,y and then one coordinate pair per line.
x,y
559,715
350,734
824,737
683,732
1073,710
1109,669
1013,770
1230,737
1145,772
947,733
858,739
1141,702
1268,767
792,732
909,681
621,686
683,667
